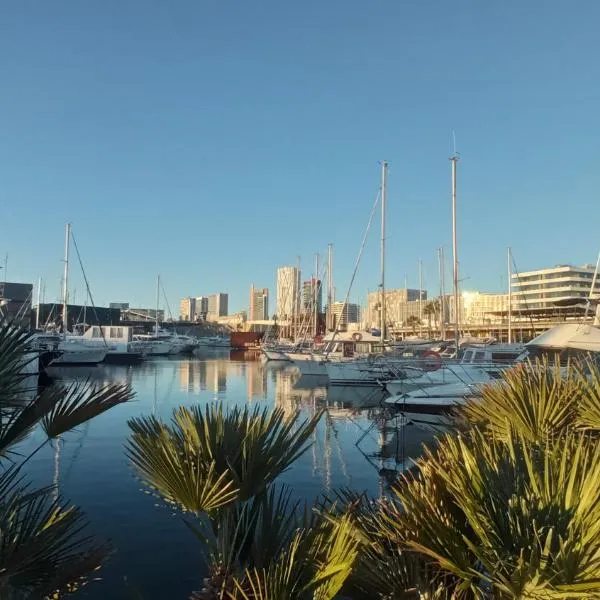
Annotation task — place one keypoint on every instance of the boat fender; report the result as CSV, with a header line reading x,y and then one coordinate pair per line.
x,y
434,364
356,336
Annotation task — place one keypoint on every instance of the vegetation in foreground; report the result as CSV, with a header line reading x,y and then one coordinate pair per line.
x,y
505,507
44,548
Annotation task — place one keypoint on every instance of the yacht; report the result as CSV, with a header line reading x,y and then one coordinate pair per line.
x,y
478,363
347,346
115,339
564,341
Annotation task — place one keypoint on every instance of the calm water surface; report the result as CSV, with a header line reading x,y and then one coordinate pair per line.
x,y
156,554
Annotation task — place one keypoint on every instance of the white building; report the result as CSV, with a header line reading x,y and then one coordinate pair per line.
x,y
288,292
343,315
541,289
479,308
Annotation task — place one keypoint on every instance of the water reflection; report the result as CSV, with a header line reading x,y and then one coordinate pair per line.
x,y
359,444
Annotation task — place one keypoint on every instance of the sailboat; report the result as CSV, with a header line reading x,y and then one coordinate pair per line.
x,y
72,350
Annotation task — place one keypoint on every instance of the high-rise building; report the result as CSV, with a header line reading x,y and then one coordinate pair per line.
x,y
342,315
541,289
217,306
259,304
201,308
288,291
187,309
308,295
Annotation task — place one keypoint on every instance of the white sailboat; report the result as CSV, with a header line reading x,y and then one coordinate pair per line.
x,y
73,351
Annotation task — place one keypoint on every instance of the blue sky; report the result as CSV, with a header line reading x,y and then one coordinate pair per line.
x,y
213,140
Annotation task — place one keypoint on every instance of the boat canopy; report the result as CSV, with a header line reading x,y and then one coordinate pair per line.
x,y
577,336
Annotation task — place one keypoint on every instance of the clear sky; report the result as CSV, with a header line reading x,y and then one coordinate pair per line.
x,y
213,140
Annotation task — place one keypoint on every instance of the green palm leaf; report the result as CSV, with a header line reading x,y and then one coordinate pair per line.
x,y
79,403
536,400
42,546
235,454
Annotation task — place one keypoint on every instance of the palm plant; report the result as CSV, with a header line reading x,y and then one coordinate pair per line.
x,y
220,467
43,548
508,507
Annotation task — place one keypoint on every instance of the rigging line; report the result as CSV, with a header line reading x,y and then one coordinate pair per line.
x,y
162,287
360,252
518,273
87,285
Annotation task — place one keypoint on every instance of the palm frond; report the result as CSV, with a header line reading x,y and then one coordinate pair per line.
x,y
14,356
537,400
589,403
20,420
42,543
79,403
178,474
243,451
506,514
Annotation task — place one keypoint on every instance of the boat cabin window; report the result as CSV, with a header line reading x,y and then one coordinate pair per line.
x,y
348,350
479,356
116,332
96,332
508,357
468,356
563,354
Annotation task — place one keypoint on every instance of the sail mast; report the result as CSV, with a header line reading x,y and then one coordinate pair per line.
x,y
39,295
454,160
329,287
420,298
65,290
157,303
509,298
442,294
316,295
384,167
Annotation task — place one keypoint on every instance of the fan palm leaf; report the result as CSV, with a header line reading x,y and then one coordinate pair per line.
x,y
314,564
79,403
42,543
245,450
536,400
506,515
14,356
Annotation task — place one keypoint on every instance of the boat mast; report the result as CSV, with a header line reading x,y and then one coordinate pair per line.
x,y
157,303
37,311
420,298
65,290
316,295
509,298
442,293
329,286
384,167
454,161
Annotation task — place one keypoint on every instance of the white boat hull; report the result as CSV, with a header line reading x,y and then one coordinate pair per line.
x,y
275,355
81,356
355,373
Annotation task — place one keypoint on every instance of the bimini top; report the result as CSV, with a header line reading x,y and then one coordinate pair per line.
x,y
578,336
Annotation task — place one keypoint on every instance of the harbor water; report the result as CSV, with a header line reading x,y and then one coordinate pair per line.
x,y
358,444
